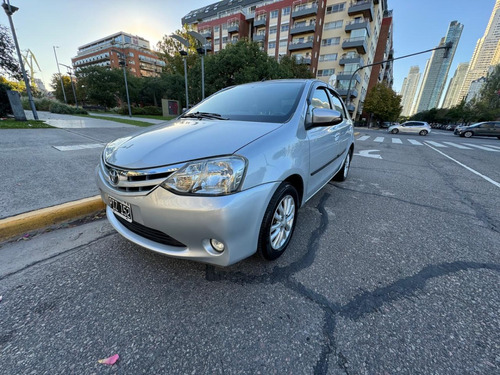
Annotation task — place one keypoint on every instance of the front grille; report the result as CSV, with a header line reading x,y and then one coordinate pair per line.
x,y
135,181
149,233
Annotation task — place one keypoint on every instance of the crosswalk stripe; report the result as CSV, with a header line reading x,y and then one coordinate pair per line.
x,y
497,147
363,138
435,144
457,146
481,147
414,142
397,140
379,139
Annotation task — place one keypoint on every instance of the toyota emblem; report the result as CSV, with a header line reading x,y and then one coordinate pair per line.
x,y
113,176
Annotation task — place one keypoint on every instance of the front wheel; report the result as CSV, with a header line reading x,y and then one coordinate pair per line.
x,y
394,131
423,132
468,134
344,171
279,222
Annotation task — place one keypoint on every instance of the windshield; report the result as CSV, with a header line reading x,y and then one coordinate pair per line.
x,y
262,102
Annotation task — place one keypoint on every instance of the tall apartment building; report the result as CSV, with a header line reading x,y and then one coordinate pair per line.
x,y
330,36
140,60
409,90
486,53
452,97
436,71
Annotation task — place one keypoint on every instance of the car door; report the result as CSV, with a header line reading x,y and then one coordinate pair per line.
x,y
325,148
345,128
485,129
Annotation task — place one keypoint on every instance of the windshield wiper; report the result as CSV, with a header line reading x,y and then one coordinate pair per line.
x,y
200,115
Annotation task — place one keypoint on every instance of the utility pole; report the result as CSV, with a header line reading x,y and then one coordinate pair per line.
x,y
9,10
72,83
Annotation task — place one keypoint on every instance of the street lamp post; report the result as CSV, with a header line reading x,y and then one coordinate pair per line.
x,y
9,10
184,57
123,63
72,83
203,52
60,76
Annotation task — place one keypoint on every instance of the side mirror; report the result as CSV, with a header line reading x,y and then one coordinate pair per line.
x,y
325,117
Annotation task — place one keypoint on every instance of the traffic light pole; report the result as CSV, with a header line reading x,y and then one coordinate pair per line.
x,y
446,47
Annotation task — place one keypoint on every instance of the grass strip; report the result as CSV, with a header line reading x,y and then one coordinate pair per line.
x,y
120,120
30,124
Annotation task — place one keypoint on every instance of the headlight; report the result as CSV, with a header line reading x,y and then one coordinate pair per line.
x,y
112,146
212,176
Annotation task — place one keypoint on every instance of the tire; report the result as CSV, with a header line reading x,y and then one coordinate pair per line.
x,y
423,132
395,131
279,222
344,171
498,137
468,134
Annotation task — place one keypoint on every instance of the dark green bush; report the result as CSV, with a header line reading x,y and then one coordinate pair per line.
x,y
148,111
56,107
4,101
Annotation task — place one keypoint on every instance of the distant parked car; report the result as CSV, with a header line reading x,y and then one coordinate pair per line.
x,y
487,129
412,127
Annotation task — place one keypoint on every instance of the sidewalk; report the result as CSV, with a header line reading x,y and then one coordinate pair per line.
x,y
47,168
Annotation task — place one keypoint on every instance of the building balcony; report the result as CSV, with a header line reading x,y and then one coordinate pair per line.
x,y
305,10
363,7
359,43
259,37
259,22
343,92
351,59
346,76
208,47
303,29
234,28
356,25
350,107
304,60
300,45
207,33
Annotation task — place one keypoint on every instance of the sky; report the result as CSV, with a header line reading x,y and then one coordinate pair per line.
x,y
41,24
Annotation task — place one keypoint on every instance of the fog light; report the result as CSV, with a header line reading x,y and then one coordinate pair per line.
x,y
218,246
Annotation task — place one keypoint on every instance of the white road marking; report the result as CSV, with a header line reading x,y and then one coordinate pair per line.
x,y
457,146
497,147
363,138
481,147
79,147
497,184
367,154
379,139
397,140
435,144
414,142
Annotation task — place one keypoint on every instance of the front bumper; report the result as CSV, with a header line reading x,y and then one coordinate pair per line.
x,y
234,220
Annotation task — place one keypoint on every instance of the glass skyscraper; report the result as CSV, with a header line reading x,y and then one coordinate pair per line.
x,y
437,69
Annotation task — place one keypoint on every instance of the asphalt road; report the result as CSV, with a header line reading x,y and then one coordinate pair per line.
x,y
394,271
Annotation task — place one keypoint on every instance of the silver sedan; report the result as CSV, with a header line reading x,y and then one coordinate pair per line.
x,y
411,127
226,179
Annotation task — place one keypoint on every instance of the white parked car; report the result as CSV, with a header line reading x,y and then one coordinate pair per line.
x,y
412,127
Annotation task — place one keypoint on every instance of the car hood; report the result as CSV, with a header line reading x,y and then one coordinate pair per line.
x,y
183,140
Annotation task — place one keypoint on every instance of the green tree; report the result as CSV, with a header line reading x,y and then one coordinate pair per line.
x,y
102,86
487,106
383,103
9,65
55,83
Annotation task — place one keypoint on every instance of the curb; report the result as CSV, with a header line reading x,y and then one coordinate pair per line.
x,y
30,221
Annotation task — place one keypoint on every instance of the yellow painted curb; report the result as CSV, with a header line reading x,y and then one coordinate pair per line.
x,y
30,221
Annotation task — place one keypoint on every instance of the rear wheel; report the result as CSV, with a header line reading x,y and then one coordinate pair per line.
x,y
394,131
468,134
344,171
279,222
423,132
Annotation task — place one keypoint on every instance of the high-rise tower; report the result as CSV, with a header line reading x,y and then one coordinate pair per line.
x,y
408,90
486,53
437,69
453,94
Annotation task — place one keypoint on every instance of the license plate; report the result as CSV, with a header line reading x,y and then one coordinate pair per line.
x,y
120,208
